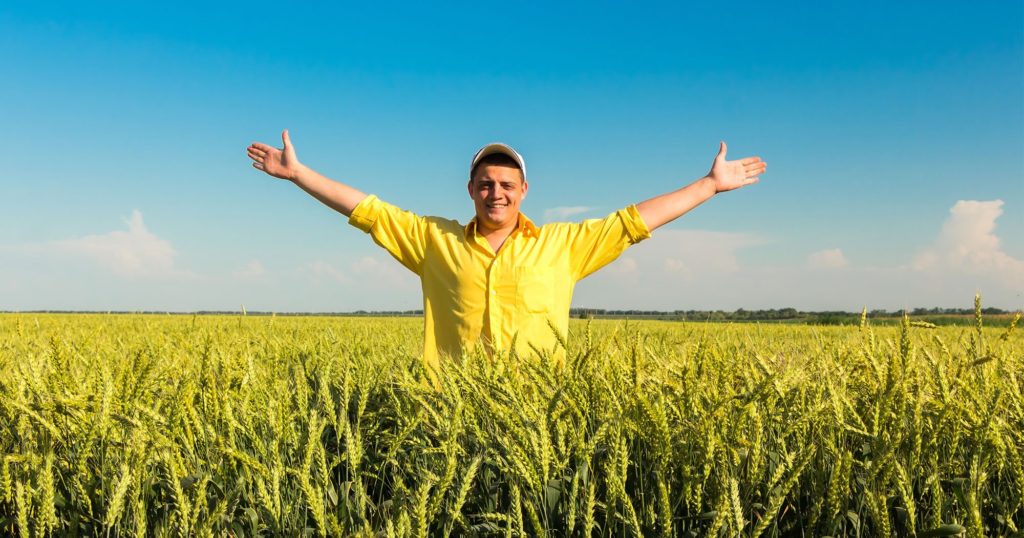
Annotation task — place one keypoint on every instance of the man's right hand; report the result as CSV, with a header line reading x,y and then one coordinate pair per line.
x,y
280,163
284,164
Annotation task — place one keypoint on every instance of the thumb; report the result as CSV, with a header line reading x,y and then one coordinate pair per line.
x,y
286,139
721,152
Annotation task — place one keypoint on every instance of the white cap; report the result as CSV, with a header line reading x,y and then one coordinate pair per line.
x,y
498,147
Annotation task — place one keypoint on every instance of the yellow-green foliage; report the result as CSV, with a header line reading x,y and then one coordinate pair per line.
x,y
242,426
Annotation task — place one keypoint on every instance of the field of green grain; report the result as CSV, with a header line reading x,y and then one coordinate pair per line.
x,y
119,425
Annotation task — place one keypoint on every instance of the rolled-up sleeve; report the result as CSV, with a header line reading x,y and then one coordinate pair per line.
x,y
635,226
364,214
402,233
597,242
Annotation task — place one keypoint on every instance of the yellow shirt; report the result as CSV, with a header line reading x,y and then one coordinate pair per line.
x,y
470,292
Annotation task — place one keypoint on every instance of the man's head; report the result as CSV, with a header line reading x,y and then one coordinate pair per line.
x,y
497,185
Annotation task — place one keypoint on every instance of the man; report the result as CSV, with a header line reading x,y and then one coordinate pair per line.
x,y
499,280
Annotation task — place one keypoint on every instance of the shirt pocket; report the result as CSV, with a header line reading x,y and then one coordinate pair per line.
x,y
535,289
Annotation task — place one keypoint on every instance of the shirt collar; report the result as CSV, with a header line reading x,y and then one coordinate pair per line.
x,y
525,225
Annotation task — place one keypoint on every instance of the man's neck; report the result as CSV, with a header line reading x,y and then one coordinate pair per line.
x,y
496,237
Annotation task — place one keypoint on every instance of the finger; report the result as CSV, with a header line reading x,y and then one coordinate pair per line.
x,y
286,139
257,153
257,165
751,181
261,146
754,170
750,160
721,151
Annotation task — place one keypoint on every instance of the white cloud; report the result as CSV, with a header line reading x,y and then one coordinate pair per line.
x,y
673,265
385,273
563,213
366,273
694,251
322,269
252,269
135,253
675,269
666,270
366,264
832,258
968,244
684,269
624,265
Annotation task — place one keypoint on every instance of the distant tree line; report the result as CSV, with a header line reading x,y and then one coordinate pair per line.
x,y
936,315
825,317
373,313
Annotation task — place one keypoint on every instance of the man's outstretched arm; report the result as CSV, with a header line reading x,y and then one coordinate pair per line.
x,y
724,176
282,163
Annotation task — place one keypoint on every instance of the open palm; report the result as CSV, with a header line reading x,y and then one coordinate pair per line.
x,y
281,163
729,175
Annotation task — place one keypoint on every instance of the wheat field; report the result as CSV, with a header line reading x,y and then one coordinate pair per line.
x,y
147,425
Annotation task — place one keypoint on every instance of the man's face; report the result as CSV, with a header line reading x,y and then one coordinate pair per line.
x,y
497,192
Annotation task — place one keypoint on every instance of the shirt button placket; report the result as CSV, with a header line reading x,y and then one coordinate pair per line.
x,y
494,309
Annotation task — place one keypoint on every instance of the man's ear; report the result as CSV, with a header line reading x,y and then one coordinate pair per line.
x,y
526,187
469,187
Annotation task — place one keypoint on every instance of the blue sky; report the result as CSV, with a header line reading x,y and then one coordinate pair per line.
x,y
894,136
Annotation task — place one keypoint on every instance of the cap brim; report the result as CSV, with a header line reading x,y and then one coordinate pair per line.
x,y
498,147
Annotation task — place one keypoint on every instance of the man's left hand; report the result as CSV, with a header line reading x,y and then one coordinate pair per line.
x,y
729,175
